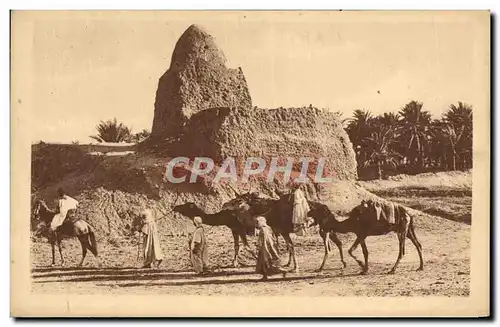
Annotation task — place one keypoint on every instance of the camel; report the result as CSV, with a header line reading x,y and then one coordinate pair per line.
x,y
79,229
278,213
367,220
221,218
321,215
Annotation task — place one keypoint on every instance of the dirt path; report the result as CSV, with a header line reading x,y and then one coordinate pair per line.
x,y
446,254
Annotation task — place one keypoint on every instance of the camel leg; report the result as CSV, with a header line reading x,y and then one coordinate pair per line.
x,y
289,242
413,238
236,239
365,254
353,247
84,244
337,242
401,238
288,248
326,239
247,246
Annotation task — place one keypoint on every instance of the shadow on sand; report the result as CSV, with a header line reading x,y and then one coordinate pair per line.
x,y
226,281
122,274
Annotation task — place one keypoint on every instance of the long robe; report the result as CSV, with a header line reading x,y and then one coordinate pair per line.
x,y
152,248
199,254
65,204
268,261
300,210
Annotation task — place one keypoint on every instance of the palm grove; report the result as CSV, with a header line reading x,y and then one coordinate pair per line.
x,y
409,141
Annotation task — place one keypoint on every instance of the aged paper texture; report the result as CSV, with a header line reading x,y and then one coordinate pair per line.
x,y
250,163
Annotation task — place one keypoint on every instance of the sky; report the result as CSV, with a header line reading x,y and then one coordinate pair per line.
x,y
93,66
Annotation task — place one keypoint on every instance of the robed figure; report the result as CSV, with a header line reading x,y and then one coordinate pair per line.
x,y
198,248
152,249
268,261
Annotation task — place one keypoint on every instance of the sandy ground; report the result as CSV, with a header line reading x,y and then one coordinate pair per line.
x,y
445,244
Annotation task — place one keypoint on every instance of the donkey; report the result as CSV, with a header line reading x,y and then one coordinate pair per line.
x,y
79,228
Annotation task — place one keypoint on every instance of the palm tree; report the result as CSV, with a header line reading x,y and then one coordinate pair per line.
x,y
390,119
112,131
141,136
460,115
453,136
415,129
359,129
381,149
460,118
343,121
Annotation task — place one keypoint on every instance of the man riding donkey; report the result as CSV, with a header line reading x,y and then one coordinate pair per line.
x,y
66,207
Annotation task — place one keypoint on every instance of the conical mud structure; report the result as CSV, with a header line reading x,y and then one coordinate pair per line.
x,y
197,79
204,109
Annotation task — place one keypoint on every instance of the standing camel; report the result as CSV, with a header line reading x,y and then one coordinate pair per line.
x,y
323,217
79,228
369,219
221,218
278,213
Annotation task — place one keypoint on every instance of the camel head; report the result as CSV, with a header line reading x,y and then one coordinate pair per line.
x,y
189,209
242,203
318,213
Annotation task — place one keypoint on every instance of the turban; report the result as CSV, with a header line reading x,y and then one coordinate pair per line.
x,y
197,221
261,220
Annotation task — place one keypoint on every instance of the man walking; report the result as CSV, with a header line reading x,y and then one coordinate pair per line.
x,y
152,249
268,260
198,248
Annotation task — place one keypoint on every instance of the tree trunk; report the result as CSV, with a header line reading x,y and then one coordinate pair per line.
x,y
379,170
453,159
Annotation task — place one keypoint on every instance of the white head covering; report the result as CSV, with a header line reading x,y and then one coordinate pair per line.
x,y
197,221
261,221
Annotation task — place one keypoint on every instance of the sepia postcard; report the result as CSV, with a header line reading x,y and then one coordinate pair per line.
x,y
250,163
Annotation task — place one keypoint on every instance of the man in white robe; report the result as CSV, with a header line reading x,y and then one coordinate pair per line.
x,y
198,248
66,203
152,249
300,210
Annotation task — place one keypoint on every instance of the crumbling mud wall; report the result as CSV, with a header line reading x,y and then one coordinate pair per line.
x,y
219,133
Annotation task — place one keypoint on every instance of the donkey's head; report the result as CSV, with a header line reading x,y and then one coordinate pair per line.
x,y
39,208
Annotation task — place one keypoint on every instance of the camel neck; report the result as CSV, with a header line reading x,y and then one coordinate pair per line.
x,y
214,219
